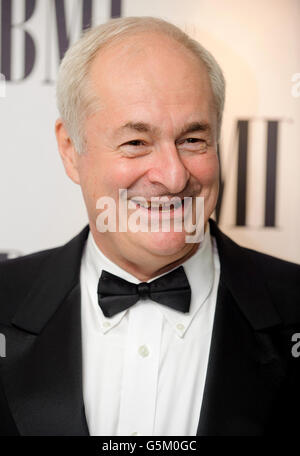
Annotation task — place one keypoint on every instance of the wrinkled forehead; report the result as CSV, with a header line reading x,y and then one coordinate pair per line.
x,y
151,78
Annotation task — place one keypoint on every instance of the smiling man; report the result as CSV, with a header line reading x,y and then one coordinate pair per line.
x,y
137,331
154,133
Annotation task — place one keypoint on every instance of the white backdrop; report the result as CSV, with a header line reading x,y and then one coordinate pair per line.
x,y
257,44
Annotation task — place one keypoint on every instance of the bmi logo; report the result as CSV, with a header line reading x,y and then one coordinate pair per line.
x,y
62,22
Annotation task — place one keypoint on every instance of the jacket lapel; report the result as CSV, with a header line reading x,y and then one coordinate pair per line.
x,y
245,370
42,372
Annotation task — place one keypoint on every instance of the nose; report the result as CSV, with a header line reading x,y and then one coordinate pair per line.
x,y
169,170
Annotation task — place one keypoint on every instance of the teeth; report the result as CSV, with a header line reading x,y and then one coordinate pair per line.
x,y
164,206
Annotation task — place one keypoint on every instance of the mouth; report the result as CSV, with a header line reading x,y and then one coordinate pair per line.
x,y
155,207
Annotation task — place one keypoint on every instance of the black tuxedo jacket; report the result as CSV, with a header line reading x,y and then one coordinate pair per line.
x,y
253,380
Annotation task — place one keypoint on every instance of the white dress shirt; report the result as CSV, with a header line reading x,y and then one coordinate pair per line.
x,y
144,369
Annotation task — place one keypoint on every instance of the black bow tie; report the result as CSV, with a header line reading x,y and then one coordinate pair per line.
x,y
116,294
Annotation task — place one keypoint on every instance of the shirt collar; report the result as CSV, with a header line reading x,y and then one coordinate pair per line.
x,y
199,269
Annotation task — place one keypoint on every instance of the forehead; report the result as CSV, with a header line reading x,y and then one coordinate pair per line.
x,y
150,70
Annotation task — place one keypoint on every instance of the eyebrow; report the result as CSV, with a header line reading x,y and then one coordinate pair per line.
x,y
142,127
194,127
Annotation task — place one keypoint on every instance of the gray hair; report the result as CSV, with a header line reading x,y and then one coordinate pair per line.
x,y
76,99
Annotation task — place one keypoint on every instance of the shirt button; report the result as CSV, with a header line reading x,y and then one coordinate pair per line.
x,y
180,326
143,351
106,324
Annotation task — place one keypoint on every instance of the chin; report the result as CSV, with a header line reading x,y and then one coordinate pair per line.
x,y
165,244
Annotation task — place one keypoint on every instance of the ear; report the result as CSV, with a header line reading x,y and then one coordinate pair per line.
x,y
67,151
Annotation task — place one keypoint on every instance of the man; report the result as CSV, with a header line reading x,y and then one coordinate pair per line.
x,y
139,332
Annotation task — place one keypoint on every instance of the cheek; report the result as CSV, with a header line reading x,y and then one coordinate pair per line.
x,y
205,169
123,173
103,177
90,178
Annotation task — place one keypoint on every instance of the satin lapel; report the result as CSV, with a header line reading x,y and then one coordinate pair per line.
x,y
244,373
42,371
244,370
42,375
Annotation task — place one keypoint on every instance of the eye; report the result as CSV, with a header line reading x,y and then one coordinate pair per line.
x,y
135,142
134,148
192,144
193,140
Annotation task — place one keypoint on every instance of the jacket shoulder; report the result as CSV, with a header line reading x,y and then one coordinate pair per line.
x,y
247,269
274,267
47,268
17,276
282,279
